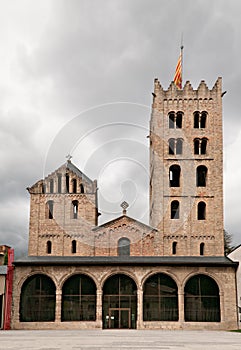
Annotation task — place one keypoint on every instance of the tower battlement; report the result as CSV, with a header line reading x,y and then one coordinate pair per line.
x,y
202,92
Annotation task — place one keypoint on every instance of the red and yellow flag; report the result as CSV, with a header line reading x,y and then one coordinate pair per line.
x,y
178,73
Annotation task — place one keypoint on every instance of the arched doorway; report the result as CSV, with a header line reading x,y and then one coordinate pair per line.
x,y
160,298
202,302
79,299
37,301
119,302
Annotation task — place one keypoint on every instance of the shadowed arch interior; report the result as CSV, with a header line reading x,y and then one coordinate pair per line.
x,y
174,175
201,301
160,298
37,300
79,299
201,176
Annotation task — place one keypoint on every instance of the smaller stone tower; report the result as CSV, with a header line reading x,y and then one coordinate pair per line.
x,y
186,169
63,208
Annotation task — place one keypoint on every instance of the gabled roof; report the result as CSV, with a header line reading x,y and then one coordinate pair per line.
x,y
64,167
122,218
235,254
236,248
70,166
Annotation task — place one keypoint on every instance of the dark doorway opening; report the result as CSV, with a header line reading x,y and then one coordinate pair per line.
x,y
119,303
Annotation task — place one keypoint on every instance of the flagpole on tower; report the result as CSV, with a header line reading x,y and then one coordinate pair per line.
x,y
179,69
182,47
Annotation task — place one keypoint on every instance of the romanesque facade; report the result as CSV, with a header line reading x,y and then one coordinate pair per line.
x,y
126,274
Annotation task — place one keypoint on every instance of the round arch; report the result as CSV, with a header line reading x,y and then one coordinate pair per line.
x,y
201,299
119,302
124,246
152,273
192,274
118,272
37,299
201,176
174,175
66,276
160,298
78,299
34,273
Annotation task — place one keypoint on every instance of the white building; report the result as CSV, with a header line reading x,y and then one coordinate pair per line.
x,y
235,255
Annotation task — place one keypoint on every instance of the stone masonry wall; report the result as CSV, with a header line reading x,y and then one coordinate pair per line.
x,y
187,231
67,221
224,277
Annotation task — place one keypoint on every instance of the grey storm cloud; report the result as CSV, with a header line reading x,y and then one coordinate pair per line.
x,y
66,67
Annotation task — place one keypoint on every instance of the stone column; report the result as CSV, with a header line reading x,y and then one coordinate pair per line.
x,y
139,321
99,307
15,309
222,316
181,306
58,305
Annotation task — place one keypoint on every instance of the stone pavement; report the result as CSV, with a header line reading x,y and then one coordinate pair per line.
x,y
118,340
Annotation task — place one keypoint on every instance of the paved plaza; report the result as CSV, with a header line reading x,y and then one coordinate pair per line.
x,y
119,339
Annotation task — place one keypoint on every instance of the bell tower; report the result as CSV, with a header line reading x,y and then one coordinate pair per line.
x,y
186,169
63,209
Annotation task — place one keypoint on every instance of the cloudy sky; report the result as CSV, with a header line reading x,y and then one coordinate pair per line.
x,y
77,76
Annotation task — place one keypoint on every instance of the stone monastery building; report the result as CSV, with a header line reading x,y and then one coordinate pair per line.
x,y
126,274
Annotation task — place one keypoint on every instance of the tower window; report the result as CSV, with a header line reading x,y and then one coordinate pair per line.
x,y
201,176
179,120
196,146
51,186
82,190
179,143
59,183
175,120
172,120
203,120
201,211
50,209
196,120
174,210
73,247
67,183
49,247
175,146
43,188
75,209
74,184
171,143
203,145
174,248
200,120
200,146
202,248
174,175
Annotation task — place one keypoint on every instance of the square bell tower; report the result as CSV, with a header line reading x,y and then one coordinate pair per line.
x,y
186,169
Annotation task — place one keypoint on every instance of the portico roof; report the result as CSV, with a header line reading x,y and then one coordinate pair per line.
x,y
219,261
